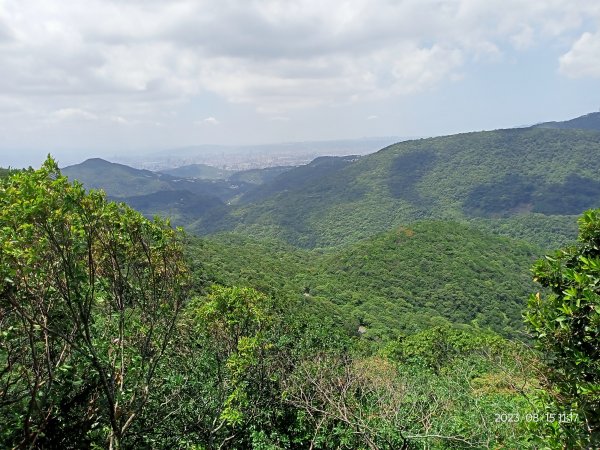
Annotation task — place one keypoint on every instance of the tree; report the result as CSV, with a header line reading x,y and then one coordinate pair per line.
x,y
444,387
90,292
239,327
565,322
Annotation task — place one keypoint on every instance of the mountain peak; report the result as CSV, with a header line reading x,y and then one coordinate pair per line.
x,y
95,162
590,121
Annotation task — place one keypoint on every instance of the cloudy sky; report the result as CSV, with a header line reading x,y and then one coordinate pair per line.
x,y
111,77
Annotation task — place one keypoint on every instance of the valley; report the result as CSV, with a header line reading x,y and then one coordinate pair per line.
x,y
395,283
299,225
476,208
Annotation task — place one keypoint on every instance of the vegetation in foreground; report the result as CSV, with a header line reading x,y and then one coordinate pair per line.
x,y
108,340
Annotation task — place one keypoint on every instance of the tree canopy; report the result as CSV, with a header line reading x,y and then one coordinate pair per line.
x,y
108,340
566,324
90,292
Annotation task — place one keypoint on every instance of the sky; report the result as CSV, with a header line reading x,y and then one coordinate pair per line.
x,y
117,77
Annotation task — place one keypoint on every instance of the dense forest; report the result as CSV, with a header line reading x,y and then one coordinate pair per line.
x,y
299,225
117,331
354,302
400,280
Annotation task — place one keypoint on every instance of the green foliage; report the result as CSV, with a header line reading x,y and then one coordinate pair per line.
x,y
201,171
89,295
258,176
546,232
497,175
573,196
429,269
404,280
237,319
589,121
501,198
398,340
4,173
566,325
399,400
441,346
222,382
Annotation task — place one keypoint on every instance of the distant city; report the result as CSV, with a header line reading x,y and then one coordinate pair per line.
x,y
255,156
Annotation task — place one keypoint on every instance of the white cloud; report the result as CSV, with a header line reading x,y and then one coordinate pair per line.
x,y
73,113
118,119
583,59
140,59
524,38
211,121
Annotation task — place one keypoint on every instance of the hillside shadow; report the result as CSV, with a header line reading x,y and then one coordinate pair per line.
x,y
406,172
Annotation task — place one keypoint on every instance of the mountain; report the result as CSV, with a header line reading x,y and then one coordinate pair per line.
x,y
403,279
117,180
121,181
180,206
589,121
201,171
503,180
299,177
259,176
526,183
182,199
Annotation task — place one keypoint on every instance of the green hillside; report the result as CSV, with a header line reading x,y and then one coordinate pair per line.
x,y
589,121
303,177
117,180
405,279
201,171
429,269
527,183
259,176
491,178
121,182
183,200
179,206
119,332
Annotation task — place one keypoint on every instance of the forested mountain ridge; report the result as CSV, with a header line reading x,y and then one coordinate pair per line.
x,y
589,121
121,181
181,199
497,179
117,180
527,183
